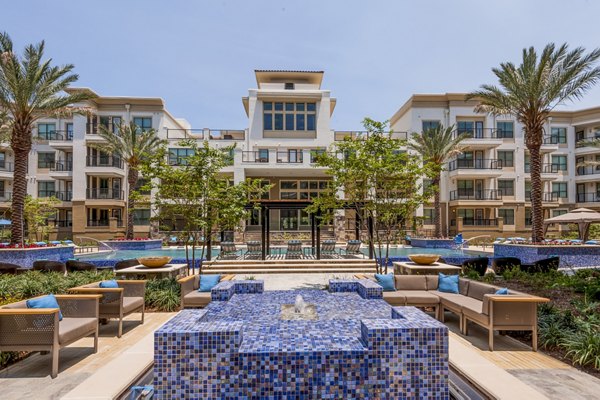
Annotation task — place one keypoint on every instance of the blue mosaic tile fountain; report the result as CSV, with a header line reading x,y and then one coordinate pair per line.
x,y
358,347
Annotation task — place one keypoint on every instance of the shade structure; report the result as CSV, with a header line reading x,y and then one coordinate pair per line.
x,y
583,217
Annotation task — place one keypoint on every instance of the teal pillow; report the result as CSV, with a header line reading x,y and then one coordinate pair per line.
x,y
207,282
112,284
48,301
502,291
448,283
386,282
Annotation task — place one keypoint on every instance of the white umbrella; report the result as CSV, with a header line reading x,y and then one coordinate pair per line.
x,y
583,217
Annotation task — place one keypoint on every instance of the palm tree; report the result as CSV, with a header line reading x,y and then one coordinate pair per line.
x,y
130,144
530,92
30,88
437,146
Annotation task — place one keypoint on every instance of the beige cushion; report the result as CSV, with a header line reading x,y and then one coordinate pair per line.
x,y
475,316
70,329
471,304
411,282
196,299
394,298
463,286
450,301
419,297
478,289
432,282
130,304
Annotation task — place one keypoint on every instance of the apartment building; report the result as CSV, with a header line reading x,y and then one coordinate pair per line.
x,y
484,191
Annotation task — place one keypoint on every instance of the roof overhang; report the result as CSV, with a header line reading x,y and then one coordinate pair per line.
x,y
267,75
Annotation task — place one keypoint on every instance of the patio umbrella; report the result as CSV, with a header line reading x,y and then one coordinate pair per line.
x,y
583,217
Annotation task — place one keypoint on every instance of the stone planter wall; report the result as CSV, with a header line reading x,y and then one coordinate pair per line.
x,y
26,257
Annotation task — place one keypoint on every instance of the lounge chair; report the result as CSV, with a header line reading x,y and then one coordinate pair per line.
x,y
132,262
352,248
228,250
545,265
501,264
294,249
76,265
68,242
117,302
38,329
479,264
328,249
49,266
254,249
592,242
190,296
41,244
498,240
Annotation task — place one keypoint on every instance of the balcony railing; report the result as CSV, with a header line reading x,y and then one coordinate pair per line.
x,y
209,134
588,170
109,194
594,137
98,222
93,128
114,162
483,133
286,157
255,157
548,168
479,222
551,139
547,197
5,196
588,197
6,166
226,134
484,163
62,166
63,223
467,194
65,195
357,135
66,136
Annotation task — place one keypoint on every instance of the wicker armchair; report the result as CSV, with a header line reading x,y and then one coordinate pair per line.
x,y
75,265
118,302
49,266
190,296
126,264
38,329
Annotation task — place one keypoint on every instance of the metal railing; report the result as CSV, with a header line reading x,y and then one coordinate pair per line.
x,y
483,133
62,166
212,134
109,194
548,168
588,170
66,136
484,163
286,157
99,222
467,194
478,222
185,133
63,223
226,134
92,128
357,135
255,157
100,161
588,197
5,196
550,139
6,166
546,196
64,195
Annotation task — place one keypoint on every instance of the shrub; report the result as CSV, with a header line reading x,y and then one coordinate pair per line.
x,y
163,294
583,346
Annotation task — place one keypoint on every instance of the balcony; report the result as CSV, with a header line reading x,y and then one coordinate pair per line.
x,y
62,136
477,167
105,194
547,197
60,166
588,197
65,195
207,134
588,170
478,222
63,223
6,169
358,135
483,137
548,169
103,223
478,195
5,196
286,157
255,157
113,162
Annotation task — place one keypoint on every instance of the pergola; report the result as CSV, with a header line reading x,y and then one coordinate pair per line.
x,y
583,217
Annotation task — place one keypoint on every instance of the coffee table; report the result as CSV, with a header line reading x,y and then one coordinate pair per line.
x,y
167,271
411,268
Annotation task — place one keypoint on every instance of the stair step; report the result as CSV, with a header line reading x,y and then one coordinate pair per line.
x,y
293,271
287,266
295,261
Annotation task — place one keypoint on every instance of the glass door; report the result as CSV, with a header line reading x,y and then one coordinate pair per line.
x,y
581,197
289,220
479,129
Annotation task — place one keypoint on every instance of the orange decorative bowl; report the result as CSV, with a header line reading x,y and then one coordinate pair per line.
x,y
424,259
155,261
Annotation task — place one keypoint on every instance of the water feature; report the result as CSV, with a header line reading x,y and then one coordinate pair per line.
x,y
112,251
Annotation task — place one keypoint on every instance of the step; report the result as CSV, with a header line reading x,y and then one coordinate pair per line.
x,y
243,272
295,261
283,266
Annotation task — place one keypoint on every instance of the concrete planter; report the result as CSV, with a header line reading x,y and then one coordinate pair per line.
x,y
26,257
152,244
570,255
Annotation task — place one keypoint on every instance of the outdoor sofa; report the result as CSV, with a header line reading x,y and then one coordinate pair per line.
x,y
39,329
476,302
117,302
190,296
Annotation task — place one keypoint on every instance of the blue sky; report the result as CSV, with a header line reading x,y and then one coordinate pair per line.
x,y
200,55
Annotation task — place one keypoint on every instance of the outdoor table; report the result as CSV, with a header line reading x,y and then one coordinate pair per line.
x,y
411,268
167,271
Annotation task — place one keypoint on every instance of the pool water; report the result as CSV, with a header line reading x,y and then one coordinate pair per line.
x,y
179,253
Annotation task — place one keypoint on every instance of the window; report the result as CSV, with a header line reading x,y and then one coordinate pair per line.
x,y
141,182
430,124
254,218
2,160
301,190
506,157
527,162
558,213
112,124
505,129
47,131
281,116
506,187
508,215
315,153
178,156
558,135
141,217
528,216
560,189
559,163
289,86
579,136
465,188
144,123
46,188
467,213
263,155
471,128
428,215
528,190
45,160
69,130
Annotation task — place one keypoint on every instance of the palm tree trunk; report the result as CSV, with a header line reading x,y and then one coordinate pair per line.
x,y
537,212
21,145
132,178
437,220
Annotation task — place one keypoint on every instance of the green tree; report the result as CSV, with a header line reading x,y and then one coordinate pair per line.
x,y
378,179
436,146
132,145
196,193
530,92
30,88
37,211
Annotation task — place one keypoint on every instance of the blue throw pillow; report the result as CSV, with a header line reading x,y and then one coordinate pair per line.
x,y
112,284
386,282
448,283
48,301
207,282
502,291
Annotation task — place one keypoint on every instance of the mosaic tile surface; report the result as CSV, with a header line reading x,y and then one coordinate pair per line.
x,y
356,349
570,256
26,257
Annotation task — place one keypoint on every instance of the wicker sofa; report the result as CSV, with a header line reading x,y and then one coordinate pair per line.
x,y
38,329
476,302
118,302
190,296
